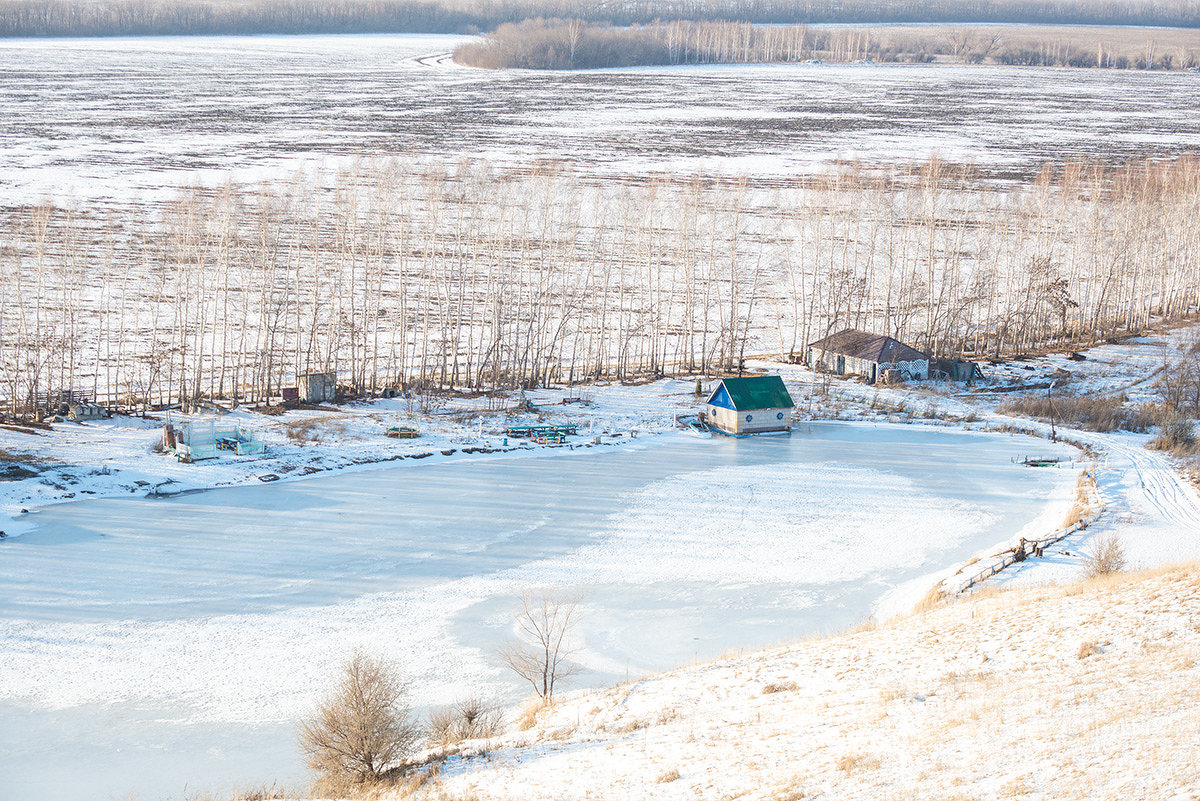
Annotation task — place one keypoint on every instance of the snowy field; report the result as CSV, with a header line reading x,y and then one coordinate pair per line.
x,y
172,643
133,117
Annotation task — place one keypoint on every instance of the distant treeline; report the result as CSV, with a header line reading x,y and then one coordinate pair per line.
x,y
576,44
174,17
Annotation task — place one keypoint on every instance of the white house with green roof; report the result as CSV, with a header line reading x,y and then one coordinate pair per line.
x,y
751,405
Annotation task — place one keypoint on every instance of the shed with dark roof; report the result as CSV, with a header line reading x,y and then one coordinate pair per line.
x,y
750,405
854,352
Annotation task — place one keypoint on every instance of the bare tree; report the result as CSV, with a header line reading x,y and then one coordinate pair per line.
x,y
363,728
541,655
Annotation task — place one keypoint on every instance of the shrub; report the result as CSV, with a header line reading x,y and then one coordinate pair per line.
x,y
363,728
1106,557
1177,434
469,719
542,656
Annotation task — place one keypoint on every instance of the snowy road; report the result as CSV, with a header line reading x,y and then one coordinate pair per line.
x,y
1155,485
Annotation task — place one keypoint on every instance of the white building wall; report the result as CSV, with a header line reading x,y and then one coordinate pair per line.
x,y
917,369
778,419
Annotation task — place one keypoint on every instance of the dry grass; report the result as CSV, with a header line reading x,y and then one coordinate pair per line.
x,y
991,675
794,791
263,792
1086,496
851,764
631,725
780,687
669,776
1177,436
305,431
1089,413
527,717
933,598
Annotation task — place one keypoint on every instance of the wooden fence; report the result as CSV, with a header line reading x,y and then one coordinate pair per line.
x,y
1009,558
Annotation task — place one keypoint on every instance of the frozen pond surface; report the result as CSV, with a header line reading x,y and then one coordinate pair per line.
x,y
131,117
174,642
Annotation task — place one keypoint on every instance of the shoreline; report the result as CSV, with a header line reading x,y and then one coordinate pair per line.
x,y
893,602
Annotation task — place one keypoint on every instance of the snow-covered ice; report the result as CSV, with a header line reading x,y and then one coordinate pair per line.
x,y
224,611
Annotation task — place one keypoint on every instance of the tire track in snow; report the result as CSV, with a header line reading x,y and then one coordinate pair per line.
x,y
1159,484
434,60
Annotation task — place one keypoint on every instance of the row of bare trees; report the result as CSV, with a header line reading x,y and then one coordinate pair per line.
x,y
172,17
576,44
1082,253
400,275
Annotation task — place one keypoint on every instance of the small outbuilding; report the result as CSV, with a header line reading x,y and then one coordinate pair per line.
x,y
960,370
750,405
317,387
84,410
873,356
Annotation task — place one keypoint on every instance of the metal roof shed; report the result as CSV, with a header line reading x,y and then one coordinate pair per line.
x,y
750,405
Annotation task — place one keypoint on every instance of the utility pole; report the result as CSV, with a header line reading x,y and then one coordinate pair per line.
x,y
1050,402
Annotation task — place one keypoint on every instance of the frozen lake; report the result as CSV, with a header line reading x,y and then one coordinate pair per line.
x,y
131,117
167,644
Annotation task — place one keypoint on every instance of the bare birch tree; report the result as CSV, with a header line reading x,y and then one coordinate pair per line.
x,y
541,652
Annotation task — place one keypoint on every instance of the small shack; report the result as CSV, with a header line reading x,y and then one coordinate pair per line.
x,y
84,410
959,370
750,405
872,356
317,387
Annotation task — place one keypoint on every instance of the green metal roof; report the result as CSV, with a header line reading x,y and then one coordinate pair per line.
x,y
758,392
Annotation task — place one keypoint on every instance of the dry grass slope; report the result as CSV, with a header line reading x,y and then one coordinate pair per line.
x,y
1086,691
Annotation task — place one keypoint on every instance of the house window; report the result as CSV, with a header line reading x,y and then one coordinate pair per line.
x,y
779,416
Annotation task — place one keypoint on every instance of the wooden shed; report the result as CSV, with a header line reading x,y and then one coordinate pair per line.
x,y
853,352
750,405
955,370
317,387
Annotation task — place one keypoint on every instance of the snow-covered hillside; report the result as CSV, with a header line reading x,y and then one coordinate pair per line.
x,y
1070,692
